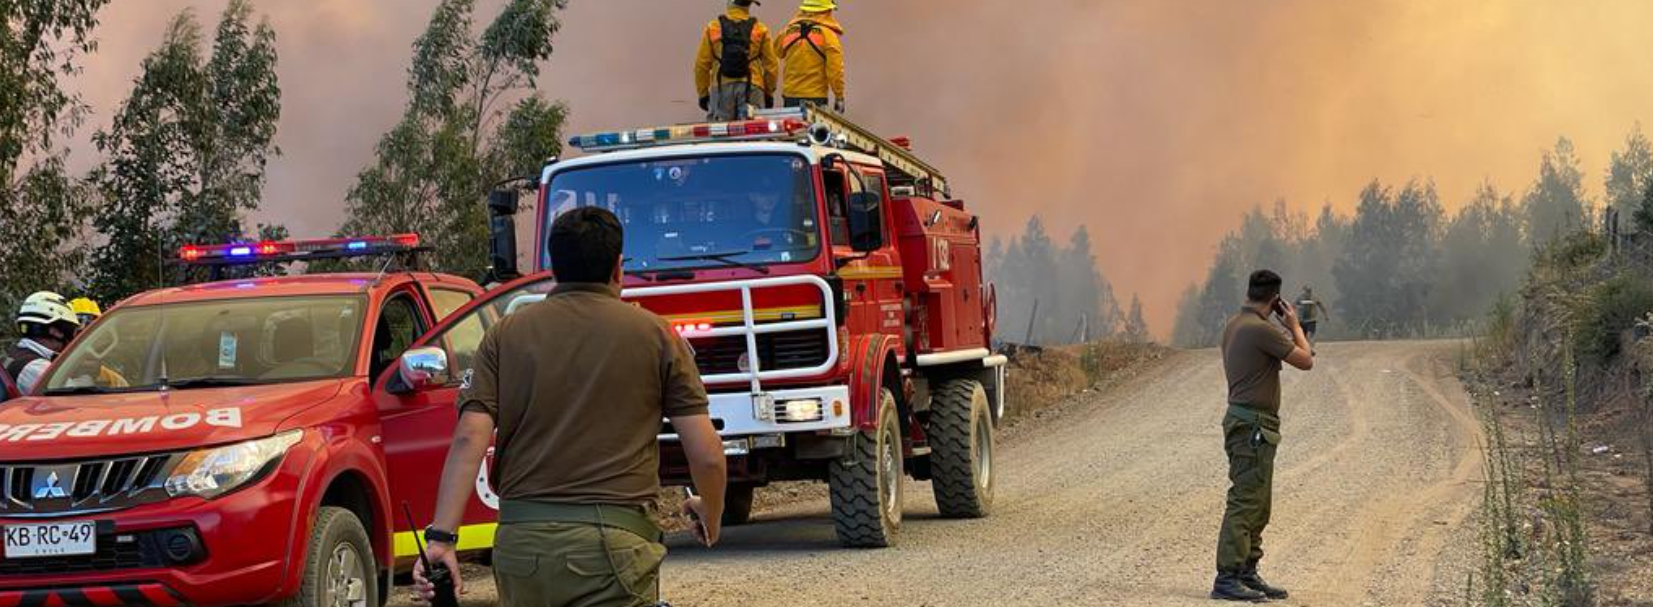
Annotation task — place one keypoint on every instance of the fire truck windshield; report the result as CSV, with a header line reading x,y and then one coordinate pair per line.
x,y
218,343
700,212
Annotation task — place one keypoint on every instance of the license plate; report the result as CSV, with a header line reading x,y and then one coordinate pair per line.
x,y
51,539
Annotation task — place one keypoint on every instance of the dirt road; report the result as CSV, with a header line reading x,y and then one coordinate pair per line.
x,y
1116,500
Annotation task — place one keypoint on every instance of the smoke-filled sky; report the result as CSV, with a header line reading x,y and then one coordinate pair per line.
x,y
1155,124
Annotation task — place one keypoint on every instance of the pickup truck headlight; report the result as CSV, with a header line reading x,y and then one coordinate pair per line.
x,y
212,472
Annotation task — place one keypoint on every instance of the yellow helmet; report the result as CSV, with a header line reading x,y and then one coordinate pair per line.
x,y
86,310
819,6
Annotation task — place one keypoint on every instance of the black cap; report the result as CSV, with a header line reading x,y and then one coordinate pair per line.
x,y
746,2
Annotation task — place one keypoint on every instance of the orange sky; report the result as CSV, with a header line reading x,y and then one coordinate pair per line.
x,y
1153,123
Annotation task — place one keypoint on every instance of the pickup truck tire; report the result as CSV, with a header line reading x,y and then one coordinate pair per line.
x,y
737,505
339,569
961,442
867,483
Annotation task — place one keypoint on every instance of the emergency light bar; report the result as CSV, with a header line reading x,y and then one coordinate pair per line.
x,y
748,130
296,250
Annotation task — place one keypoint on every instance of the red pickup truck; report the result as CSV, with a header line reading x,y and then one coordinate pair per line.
x,y
254,447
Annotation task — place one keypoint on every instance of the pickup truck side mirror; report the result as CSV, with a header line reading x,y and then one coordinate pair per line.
x,y
866,225
502,236
420,369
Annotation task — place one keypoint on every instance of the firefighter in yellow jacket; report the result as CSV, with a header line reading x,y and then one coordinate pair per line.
x,y
736,67
811,49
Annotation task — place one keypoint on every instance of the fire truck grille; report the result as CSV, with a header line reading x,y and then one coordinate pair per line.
x,y
105,484
776,352
116,552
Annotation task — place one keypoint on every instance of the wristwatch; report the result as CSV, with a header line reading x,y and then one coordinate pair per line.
x,y
438,536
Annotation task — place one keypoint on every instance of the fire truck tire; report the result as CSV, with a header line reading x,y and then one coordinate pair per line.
x,y
737,505
867,484
339,563
961,442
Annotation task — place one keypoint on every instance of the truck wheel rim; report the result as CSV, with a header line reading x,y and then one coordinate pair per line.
x,y
346,583
891,487
983,448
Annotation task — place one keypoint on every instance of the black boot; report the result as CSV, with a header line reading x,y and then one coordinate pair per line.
x,y
1250,579
1228,587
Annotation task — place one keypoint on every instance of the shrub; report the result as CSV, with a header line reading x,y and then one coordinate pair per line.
x,y
1613,307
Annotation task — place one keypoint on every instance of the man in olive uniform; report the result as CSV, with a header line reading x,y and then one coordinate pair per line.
x,y
1253,349
576,386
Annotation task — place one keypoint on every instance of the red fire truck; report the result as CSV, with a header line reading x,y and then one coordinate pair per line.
x,y
831,289
236,442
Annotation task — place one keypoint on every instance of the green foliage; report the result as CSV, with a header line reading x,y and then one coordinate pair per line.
x,y
186,152
1630,173
1643,215
1389,264
433,169
1397,267
1572,252
42,208
1612,308
1556,204
1072,298
1480,257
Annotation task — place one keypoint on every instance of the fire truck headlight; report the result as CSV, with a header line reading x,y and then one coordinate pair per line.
x,y
209,473
800,411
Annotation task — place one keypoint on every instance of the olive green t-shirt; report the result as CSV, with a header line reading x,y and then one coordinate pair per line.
x,y
578,385
1253,348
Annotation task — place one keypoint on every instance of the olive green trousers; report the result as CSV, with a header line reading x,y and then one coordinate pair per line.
x,y
551,564
1250,437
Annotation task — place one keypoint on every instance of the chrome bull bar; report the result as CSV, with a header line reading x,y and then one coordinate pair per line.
x,y
749,328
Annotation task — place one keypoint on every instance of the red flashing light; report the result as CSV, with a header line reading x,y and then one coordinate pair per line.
x,y
298,249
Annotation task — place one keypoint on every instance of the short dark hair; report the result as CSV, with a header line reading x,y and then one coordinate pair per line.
x,y
585,245
1263,287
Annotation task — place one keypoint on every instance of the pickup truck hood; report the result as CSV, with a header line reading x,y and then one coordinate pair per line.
x,y
73,427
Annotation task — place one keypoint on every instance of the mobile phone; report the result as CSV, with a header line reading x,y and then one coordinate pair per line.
x,y
688,493
1280,306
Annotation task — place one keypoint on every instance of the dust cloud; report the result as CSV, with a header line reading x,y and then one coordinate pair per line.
x,y
1154,123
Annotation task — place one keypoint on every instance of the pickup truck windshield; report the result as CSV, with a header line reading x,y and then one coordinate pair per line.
x,y
709,211
218,343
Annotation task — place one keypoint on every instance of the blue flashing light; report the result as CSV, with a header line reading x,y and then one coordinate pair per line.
x,y
357,246
241,251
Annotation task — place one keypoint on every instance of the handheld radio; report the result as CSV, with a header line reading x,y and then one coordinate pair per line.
x,y
437,573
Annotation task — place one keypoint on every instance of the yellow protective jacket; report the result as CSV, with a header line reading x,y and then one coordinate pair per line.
x,y
765,66
814,66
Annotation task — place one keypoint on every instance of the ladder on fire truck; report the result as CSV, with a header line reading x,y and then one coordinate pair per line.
x,y
833,129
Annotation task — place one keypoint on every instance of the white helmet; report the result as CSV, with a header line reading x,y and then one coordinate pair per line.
x,y
45,309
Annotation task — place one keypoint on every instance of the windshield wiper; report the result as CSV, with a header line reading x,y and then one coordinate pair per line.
x,y
211,382
722,257
76,390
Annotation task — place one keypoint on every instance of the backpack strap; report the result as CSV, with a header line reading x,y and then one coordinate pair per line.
x,y
805,28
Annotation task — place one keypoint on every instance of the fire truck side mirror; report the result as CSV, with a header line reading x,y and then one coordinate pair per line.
x,y
502,235
866,226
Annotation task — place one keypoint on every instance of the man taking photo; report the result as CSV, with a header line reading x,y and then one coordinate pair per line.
x,y
575,387
1253,349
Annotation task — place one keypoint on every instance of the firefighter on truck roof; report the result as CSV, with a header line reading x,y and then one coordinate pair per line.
x,y
813,53
736,67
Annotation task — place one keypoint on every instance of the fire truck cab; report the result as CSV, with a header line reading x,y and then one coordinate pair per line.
x,y
237,442
831,290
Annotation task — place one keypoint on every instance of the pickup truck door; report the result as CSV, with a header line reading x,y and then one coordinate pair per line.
x,y
418,426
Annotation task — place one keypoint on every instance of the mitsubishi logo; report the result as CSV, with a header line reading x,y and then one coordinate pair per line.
x,y
50,489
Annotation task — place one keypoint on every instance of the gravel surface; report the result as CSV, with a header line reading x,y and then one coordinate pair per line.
x,y
1115,499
